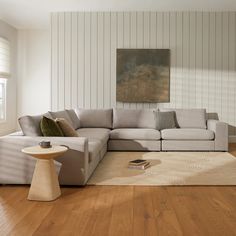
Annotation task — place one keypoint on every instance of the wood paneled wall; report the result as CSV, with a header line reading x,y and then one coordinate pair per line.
x,y
203,57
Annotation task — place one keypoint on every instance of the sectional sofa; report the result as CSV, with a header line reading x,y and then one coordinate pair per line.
x,y
113,130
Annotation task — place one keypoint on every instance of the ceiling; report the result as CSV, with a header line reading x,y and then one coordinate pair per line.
x,y
34,14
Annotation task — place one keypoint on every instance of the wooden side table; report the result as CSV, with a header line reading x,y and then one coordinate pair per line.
x,y
44,185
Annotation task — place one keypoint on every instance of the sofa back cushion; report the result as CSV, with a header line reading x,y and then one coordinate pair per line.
x,y
190,118
95,118
128,118
74,118
61,114
30,125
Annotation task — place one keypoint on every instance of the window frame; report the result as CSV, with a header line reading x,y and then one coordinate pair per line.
x,y
3,82
5,68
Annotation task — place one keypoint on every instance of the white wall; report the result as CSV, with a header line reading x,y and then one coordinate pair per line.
x,y
10,33
203,58
33,88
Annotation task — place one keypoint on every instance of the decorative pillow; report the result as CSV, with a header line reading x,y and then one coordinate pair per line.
x,y
30,125
165,120
74,118
66,128
61,114
50,128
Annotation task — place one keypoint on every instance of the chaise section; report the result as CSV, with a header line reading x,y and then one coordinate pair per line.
x,y
100,134
187,134
17,168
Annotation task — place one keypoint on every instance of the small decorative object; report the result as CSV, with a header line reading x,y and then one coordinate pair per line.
x,y
45,144
143,75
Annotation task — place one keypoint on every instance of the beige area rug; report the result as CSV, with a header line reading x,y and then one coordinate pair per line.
x,y
167,168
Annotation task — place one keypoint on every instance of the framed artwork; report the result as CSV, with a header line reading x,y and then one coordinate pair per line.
x,y
143,75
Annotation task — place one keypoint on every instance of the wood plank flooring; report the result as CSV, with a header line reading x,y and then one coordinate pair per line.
x,y
121,211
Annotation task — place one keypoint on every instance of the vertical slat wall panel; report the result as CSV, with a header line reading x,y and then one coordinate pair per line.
x,y
203,58
61,62
94,59
166,36
81,53
68,62
107,60
199,62
133,39
140,39
54,60
120,41
219,68
74,60
87,60
173,59
225,65
212,63
232,73
186,59
192,61
113,57
127,40
153,38
100,88
146,38
179,63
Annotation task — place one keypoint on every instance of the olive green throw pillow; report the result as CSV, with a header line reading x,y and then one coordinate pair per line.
x,y
50,128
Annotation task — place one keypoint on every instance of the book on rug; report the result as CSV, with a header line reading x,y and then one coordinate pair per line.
x,y
139,167
137,162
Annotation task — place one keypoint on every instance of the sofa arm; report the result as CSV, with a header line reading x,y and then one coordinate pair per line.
x,y
17,167
221,134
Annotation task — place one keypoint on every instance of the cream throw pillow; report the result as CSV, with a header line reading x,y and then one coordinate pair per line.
x,y
66,128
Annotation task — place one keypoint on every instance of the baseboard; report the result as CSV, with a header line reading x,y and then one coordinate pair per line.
x,y
232,138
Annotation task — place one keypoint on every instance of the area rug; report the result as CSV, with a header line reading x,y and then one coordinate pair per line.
x,y
167,168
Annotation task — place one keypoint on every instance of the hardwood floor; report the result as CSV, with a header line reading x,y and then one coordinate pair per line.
x,y
122,210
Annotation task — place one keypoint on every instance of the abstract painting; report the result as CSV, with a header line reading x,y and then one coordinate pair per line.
x,y
143,75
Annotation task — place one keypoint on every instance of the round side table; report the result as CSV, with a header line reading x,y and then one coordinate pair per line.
x,y
44,185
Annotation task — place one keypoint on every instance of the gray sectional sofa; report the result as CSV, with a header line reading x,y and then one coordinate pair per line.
x,y
112,130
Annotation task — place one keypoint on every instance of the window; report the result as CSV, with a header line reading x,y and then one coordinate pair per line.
x,y
4,74
2,99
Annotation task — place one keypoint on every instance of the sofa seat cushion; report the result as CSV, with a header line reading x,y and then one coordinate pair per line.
x,y
139,134
94,134
187,134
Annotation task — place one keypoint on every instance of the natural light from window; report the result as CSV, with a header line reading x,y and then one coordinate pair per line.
x,y
4,75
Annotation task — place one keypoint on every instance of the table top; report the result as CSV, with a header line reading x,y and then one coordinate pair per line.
x,y
37,151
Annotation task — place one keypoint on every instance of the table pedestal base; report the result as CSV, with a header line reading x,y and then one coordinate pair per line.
x,y
44,185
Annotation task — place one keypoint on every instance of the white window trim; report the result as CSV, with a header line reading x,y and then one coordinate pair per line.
x,y
4,119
